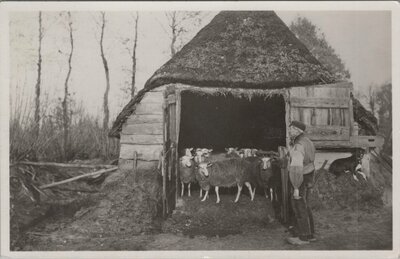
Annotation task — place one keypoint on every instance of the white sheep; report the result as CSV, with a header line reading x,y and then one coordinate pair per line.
x,y
187,173
233,152
226,173
188,151
201,154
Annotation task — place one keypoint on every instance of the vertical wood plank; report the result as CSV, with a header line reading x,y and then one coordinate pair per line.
x,y
295,112
163,160
321,116
288,113
336,117
351,117
346,117
178,123
330,120
164,193
313,115
306,115
285,182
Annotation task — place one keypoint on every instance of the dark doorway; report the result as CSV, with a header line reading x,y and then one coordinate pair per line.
x,y
220,121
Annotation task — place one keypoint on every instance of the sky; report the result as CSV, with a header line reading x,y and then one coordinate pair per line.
x,y
362,39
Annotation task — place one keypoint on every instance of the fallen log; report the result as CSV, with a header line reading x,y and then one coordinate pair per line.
x,y
61,165
103,171
77,190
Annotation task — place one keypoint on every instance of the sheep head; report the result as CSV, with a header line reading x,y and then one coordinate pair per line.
x,y
266,163
233,151
254,152
186,161
247,152
203,168
188,151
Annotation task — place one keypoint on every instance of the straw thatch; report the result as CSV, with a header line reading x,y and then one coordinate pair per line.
x,y
367,121
235,92
237,49
252,49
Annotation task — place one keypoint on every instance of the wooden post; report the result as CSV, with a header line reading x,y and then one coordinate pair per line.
x,y
285,189
287,116
178,126
164,179
351,118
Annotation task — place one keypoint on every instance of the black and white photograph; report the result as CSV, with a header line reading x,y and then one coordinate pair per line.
x,y
204,128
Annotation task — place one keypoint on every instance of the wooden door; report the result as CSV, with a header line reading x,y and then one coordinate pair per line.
x,y
169,155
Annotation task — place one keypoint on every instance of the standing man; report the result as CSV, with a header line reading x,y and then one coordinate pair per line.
x,y
301,175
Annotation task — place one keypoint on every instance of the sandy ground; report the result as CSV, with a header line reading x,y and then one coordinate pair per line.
x,y
244,225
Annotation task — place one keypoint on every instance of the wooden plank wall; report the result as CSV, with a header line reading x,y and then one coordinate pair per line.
x,y
324,109
143,130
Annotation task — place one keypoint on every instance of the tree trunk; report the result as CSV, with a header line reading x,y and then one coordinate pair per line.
x,y
37,87
106,70
134,56
65,101
174,33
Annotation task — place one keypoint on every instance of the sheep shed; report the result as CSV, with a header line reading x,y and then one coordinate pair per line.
x,y
239,82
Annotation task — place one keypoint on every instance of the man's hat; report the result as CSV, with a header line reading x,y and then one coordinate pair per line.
x,y
298,124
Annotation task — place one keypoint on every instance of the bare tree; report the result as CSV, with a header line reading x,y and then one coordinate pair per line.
x,y
66,94
107,72
372,98
136,19
38,82
178,23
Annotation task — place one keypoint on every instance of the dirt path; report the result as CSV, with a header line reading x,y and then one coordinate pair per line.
x,y
246,225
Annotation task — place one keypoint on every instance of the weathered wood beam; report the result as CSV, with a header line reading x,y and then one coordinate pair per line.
x,y
145,152
149,108
143,129
142,139
144,118
319,102
354,142
63,165
103,171
328,132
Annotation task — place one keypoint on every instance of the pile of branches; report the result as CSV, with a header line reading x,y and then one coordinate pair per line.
x,y
37,180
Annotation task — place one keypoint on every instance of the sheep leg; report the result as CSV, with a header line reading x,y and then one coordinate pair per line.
x,y
189,190
271,194
238,193
217,192
201,192
254,192
182,189
250,190
205,196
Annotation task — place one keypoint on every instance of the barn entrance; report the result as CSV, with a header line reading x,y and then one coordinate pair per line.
x,y
220,121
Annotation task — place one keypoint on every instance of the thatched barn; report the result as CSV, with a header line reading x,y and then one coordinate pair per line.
x,y
239,82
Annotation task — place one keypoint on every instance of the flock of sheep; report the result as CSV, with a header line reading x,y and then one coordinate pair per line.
x,y
248,167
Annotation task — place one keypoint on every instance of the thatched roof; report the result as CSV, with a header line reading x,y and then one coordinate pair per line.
x,y
367,121
238,49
